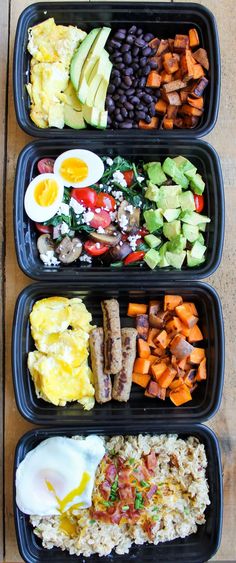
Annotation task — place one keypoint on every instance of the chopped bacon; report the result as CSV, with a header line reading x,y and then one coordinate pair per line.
x,y
120,462
111,472
123,477
100,515
105,489
151,461
115,514
151,491
148,528
126,493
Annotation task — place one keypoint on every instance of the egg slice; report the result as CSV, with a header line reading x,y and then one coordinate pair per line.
x,y
78,168
58,475
43,197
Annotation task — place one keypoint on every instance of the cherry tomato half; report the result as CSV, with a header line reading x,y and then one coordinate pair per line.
x,y
143,232
105,200
93,249
86,196
134,257
129,177
43,228
199,202
101,218
45,165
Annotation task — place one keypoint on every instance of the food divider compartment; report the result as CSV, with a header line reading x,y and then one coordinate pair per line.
x,y
196,548
139,411
201,154
162,19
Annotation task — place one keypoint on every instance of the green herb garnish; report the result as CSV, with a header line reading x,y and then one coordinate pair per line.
x,y
92,521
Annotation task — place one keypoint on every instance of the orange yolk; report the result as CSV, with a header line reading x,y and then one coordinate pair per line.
x,y
74,170
46,192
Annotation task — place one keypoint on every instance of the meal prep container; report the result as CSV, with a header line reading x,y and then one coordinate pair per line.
x,y
139,411
200,153
196,548
162,19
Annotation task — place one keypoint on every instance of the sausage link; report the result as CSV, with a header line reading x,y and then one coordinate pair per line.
x,y
102,381
112,336
123,379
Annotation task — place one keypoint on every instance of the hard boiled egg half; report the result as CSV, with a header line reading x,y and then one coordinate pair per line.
x,y
58,475
78,168
43,197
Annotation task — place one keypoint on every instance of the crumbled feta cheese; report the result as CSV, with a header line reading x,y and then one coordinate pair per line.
x,y
64,209
88,216
113,215
64,228
123,221
49,259
109,161
129,208
79,244
98,210
78,208
117,195
133,241
140,179
71,233
100,186
86,258
119,178
100,230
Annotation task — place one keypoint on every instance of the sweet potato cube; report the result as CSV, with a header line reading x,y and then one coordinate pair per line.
x,y
201,372
171,112
193,38
168,122
163,47
141,379
171,44
157,370
170,63
143,348
195,102
172,301
173,98
165,77
180,395
201,57
187,63
141,366
182,364
195,334
154,390
161,106
185,331
197,355
153,333
167,377
189,110
191,307
153,79
183,95
190,121
199,88
190,377
180,347
152,125
179,122
198,71
162,339
154,43
181,43
174,326
173,86
186,316
176,383
154,306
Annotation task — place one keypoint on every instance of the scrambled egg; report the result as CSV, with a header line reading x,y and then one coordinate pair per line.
x,y
59,366
52,47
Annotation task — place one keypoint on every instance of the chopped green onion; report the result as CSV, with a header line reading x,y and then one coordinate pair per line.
x,y
131,460
139,495
155,508
186,511
126,507
107,503
135,470
92,521
156,517
137,504
144,483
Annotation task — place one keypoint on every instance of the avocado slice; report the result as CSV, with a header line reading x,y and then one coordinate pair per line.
x,y
197,184
187,201
190,173
102,119
152,241
171,230
201,239
171,214
184,164
69,97
155,173
177,244
190,232
176,260
162,251
192,262
193,218
80,55
171,169
90,61
169,197
197,250
100,96
152,258
153,219
73,118
152,192
91,115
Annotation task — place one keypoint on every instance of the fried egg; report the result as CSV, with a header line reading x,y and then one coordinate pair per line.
x,y
58,475
79,168
43,197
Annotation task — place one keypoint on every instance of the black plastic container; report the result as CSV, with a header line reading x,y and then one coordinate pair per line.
x,y
200,153
163,19
140,411
196,548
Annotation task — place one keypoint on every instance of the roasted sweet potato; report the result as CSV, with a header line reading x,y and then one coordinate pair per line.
x,y
143,348
198,72
181,43
163,47
141,366
135,309
187,63
154,390
189,110
154,306
161,106
176,383
154,43
190,376
170,63
201,372
168,122
194,101
142,326
158,369
162,339
184,95
153,332
167,377
195,334
193,38
153,79
190,121
201,57
174,326
199,88
165,77
140,379
197,355
180,347
173,86
152,125
180,395
173,98
171,113
172,301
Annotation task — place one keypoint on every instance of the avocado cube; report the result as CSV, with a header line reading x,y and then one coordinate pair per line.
x,y
152,241
153,219
201,239
184,164
171,230
197,250
191,173
169,166
155,173
190,232
202,227
177,244
152,192
169,197
187,201
197,184
176,260
192,262
193,218
171,214
152,258
162,251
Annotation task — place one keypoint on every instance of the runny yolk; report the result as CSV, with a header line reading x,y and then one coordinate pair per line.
x,y
74,170
46,192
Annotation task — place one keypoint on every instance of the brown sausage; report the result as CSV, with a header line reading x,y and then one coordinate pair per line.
x,y
123,379
102,381
112,336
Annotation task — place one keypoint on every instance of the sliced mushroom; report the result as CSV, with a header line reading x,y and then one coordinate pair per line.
x,y
132,216
56,231
69,250
110,240
120,251
45,244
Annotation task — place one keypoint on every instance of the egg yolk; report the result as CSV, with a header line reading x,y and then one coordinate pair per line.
x,y
74,170
62,503
46,192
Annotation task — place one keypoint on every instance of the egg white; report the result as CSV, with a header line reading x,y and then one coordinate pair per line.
x,y
61,461
93,161
38,212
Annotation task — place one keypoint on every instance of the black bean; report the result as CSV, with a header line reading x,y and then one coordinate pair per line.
x,y
147,98
139,42
125,86
111,89
110,104
129,71
153,52
132,29
148,37
148,90
146,70
128,106
109,48
142,82
128,81
117,81
140,114
120,34
139,32
140,107
120,66
148,119
116,97
124,112
125,48
135,66
126,125
147,51
119,118
143,61
109,120
115,72
118,60
152,110
130,39
130,91
123,99
115,43
136,60
135,100
127,58
135,51
153,65
140,72
117,111
131,114
120,91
